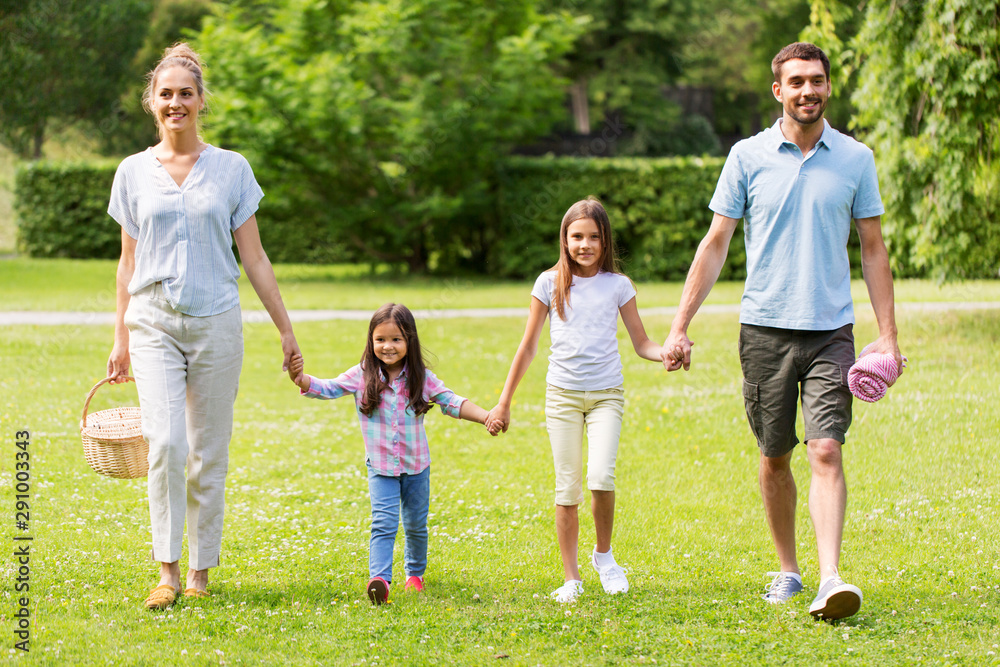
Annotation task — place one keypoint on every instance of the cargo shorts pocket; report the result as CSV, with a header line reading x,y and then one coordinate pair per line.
x,y
751,400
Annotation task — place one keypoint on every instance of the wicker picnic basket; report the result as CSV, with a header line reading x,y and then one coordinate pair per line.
x,y
112,440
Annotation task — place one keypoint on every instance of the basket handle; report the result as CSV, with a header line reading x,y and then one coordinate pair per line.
x,y
83,420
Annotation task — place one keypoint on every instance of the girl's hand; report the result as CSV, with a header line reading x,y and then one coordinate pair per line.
x,y
296,368
498,419
677,349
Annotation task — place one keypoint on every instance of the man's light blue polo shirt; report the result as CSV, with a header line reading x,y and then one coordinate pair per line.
x,y
797,216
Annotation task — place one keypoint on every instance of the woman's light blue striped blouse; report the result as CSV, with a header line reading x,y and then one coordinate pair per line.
x,y
184,233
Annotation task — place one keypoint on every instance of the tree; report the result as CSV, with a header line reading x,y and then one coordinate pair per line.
x,y
133,129
729,46
927,100
832,26
620,67
381,120
62,61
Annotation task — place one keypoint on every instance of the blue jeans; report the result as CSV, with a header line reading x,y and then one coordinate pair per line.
x,y
413,493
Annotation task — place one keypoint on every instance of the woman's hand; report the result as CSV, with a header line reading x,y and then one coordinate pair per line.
x,y
289,348
118,362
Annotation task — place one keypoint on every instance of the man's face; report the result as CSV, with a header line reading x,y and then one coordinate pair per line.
x,y
803,91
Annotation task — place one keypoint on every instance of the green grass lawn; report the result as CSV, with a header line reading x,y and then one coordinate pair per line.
x,y
921,534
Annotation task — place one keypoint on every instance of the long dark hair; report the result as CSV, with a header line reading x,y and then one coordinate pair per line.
x,y
375,373
591,208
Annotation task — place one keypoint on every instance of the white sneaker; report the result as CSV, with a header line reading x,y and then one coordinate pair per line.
x,y
836,599
568,592
612,576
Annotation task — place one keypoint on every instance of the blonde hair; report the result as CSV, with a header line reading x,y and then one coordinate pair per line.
x,y
178,55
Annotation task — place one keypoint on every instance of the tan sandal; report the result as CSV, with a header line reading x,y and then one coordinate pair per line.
x,y
162,597
196,593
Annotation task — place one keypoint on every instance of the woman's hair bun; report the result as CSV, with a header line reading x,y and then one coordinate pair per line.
x,y
184,51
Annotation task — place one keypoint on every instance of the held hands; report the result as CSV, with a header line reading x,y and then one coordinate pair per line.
x,y
676,351
289,348
498,420
296,371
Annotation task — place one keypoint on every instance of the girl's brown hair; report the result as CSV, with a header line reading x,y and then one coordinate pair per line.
x,y
178,55
374,371
591,208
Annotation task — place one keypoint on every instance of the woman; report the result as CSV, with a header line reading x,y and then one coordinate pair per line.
x,y
180,204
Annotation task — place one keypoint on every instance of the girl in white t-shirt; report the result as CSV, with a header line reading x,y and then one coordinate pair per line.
x,y
584,293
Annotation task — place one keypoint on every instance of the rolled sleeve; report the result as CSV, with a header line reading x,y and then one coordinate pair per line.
x,y
249,197
119,207
436,392
344,384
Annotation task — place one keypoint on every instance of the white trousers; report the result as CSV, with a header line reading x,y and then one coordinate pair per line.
x,y
567,412
187,371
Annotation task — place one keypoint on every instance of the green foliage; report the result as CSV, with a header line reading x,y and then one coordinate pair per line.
x,y
133,129
729,48
832,26
62,210
625,58
927,101
62,61
658,209
375,125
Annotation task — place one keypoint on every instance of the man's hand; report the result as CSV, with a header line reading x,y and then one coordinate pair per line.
x,y
887,344
677,351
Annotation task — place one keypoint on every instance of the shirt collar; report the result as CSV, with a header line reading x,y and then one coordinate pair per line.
x,y
401,376
778,139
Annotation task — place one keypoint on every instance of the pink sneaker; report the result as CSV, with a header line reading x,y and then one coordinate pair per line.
x,y
378,590
414,583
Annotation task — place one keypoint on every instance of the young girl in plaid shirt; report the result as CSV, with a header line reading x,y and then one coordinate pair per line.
x,y
392,390
583,294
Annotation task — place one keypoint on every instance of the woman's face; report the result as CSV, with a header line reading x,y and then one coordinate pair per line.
x,y
176,100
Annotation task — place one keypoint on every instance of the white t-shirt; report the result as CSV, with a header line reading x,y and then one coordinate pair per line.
x,y
584,352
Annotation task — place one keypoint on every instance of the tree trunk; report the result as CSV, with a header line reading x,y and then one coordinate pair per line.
x,y
581,109
417,260
37,140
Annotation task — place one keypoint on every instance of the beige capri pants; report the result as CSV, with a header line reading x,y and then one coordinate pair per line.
x,y
187,372
567,412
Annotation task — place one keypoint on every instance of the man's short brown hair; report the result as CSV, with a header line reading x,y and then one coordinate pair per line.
x,y
799,51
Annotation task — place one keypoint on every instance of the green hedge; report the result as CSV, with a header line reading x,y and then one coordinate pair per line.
x,y
62,210
658,209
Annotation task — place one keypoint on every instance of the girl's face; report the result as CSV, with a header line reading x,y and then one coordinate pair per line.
x,y
583,241
176,100
389,345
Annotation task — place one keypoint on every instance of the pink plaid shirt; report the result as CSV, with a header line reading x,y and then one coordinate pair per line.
x,y
395,440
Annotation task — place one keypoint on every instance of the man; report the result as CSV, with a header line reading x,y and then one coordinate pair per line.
x,y
797,185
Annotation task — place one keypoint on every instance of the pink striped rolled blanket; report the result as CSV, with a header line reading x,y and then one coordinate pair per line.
x,y
872,375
